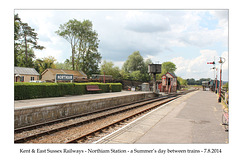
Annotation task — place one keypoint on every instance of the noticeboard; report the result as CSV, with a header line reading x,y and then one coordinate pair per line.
x,y
64,77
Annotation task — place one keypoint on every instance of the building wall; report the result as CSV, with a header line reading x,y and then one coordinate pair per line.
x,y
48,76
27,78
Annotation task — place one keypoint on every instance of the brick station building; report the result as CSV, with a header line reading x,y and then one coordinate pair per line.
x,y
23,74
49,75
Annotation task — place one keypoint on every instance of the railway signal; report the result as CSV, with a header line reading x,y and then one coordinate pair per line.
x,y
211,62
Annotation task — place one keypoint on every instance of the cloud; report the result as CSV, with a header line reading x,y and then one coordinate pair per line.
x,y
161,35
197,67
145,22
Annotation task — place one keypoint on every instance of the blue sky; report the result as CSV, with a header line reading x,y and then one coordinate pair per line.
x,y
189,38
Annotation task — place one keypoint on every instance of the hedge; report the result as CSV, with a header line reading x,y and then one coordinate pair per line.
x,y
43,90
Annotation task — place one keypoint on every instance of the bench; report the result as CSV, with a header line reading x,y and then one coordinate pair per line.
x,y
93,88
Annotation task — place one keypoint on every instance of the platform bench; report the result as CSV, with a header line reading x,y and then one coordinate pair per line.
x,y
93,88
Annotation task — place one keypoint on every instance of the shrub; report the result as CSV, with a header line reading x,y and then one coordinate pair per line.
x,y
43,90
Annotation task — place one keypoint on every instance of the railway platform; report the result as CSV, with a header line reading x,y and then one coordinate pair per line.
x,y
193,118
34,111
70,99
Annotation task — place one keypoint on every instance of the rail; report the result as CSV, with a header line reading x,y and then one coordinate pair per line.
x,y
99,115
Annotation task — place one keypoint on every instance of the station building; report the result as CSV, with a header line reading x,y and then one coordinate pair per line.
x,y
23,74
49,75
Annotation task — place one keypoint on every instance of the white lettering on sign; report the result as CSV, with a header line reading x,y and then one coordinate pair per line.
x,y
64,77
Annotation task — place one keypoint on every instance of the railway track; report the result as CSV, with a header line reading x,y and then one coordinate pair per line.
x,y
37,132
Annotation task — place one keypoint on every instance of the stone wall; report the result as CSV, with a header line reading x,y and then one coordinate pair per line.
x,y
37,114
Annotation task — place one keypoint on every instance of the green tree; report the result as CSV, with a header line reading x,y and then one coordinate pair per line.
x,y
109,69
25,40
136,75
21,58
191,81
84,43
17,22
29,39
42,64
69,31
135,68
168,67
182,81
65,65
134,62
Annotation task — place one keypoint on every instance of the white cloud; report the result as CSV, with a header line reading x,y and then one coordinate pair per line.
x,y
198,68
161,35
146,22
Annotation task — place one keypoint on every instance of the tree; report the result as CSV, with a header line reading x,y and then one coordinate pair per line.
x,y
17,44
21,58
69,32
182,81
42,64
134,62
168,67
29,39
135,68
84,43
109,69
65,65
25,40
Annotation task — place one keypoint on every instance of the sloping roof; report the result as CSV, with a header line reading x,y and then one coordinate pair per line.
x,y
25,71
172,74
63,71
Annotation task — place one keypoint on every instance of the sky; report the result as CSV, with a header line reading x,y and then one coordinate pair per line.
x,y
188,38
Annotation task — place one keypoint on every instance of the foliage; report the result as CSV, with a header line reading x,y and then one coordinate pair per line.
x,y
134,62
42,90
68,32
135,68
84,43
109,69
197,82
66,65
25,40
182,81
42,64
168,67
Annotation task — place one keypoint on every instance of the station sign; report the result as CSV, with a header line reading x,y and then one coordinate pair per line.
x,y
64,77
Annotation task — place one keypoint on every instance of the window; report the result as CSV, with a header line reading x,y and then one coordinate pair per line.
x,y
32,78
22,79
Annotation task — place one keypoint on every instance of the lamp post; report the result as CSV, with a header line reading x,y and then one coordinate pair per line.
x,y
221,61
213,77
216,82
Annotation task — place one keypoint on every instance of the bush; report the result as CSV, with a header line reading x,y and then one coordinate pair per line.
x,y
43,90
115,87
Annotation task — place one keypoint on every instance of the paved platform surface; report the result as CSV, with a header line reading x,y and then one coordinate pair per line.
x,y
55,100
193,118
